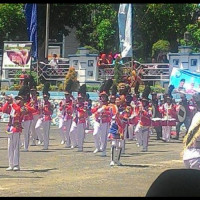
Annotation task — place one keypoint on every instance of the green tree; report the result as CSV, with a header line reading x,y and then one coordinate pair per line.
x,y
12,22
161,46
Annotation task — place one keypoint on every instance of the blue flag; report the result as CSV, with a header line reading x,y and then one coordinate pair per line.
x,y
125,29
31,19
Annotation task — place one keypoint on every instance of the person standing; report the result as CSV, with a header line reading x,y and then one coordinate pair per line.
x,y
168,111
116,134
14,129
157,114
35,102
65,120
102,124
188,116
44,121
142,129
191,151
77,131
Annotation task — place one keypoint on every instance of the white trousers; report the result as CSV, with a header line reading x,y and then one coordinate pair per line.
x,y
13,149
101,135
26,131
142,134
64,131
45,125
34,134
166,133
77,134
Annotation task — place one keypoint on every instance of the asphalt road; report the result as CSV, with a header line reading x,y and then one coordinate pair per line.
x,y
59,171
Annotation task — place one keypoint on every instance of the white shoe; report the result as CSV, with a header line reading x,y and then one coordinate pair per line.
x,y
62,142
96,150
72,147
9,169
40,142
112,163
16,168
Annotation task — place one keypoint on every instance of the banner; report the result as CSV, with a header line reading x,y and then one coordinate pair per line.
x,y
185,81
125,29
16,55
31,18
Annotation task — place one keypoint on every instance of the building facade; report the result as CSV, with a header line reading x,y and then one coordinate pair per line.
x,y
185,59
85,64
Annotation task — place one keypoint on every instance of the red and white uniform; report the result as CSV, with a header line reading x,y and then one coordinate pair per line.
x,y
77,131
44,121
65,120
26,123
14,129
168,111
102,122
35,104
142,129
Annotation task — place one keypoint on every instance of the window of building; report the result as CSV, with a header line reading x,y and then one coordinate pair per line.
x,y
90,63
175,62
90,73
193,62
75,63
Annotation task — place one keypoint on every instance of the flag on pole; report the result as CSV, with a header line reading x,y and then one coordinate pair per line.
x,y
31,19
125,29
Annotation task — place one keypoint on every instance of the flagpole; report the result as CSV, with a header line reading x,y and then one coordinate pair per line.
x,y
47,30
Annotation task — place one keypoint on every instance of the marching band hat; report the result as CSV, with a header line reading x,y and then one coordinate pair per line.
x,y
144,99
18,97
103,93
67,93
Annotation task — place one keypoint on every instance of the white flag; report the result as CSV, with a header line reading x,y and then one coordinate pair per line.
x,y
125,29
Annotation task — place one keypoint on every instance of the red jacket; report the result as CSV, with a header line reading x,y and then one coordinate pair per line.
x,y
16,116
29,111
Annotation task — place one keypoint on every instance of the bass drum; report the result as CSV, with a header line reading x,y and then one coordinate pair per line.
x,y
181,113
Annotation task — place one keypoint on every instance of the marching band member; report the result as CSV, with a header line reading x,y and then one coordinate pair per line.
x,y
77,131
44,121
102,120
34,102
188,115
168,111
27,121
157,114
65,120
191,141
142,128
16,111
116,134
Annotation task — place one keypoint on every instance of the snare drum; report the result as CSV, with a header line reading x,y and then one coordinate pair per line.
x,y
164,122
172,122
156,121
169,122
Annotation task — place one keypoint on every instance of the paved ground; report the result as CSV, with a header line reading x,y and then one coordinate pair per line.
x,y
66,172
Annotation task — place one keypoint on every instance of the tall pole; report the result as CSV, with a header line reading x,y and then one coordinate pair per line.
x,y
47,30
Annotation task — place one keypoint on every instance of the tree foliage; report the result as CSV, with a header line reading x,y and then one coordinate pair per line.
x,y
12,22
161,46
